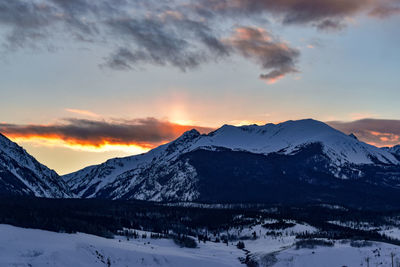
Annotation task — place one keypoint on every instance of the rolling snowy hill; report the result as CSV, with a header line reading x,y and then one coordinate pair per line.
x,y
22,174
36,248
28,247
303,160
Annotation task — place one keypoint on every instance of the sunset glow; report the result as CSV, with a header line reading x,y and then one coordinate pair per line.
x,y
79,146
101,135
77,77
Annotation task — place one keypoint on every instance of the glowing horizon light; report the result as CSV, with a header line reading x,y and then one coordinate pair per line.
x,y
247,122
183,122
104,147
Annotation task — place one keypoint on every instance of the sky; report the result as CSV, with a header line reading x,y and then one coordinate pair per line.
x,y
82,81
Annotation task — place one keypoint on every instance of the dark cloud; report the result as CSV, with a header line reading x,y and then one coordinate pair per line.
x,y
147,132
178,33
25,20
158,42
150,132
374,131
330,25
385,9
271,54
169,38
168,33
325,15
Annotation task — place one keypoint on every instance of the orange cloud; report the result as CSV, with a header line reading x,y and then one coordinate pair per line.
x,y
275,79
378,132
96,135
387,137
40,141
360,116
252,34
271,54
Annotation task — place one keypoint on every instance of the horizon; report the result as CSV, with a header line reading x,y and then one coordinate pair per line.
x,y
83,81
334,124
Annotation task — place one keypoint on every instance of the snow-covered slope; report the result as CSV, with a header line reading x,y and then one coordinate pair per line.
x,y
22,174
37,248
164,173
289,136
342,254
394,150
90,180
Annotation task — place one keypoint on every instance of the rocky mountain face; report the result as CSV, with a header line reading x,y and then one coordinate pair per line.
x,y
395,150
22,174
290,162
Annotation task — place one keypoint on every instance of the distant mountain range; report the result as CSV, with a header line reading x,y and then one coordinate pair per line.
x,y
291,162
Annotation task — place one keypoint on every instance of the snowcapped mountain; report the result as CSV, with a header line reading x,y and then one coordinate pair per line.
x,y
288,137
22,174
301,160
395,150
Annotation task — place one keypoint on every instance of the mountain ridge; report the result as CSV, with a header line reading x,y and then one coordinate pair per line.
x,y
22,174
293,161
174,171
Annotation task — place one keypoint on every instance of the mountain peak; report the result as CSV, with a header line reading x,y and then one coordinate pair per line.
x,y
289,136
22,174
353,136
193,133
394,150
232,158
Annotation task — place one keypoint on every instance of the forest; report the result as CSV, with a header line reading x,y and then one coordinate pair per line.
x,y
107,218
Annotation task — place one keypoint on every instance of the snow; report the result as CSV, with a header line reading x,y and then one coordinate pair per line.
x,y
267,243
287,137
30,247
392,232
393,150
379,254
366,226
115,171
120,175
38,179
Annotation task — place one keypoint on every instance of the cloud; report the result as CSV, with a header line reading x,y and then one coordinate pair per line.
x,y
169,33
150,132
184,34
325,15
386,9
271,54
374,131
147,133
82,112
162,40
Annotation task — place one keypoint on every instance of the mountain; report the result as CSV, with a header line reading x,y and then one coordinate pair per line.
x,y
22,174
395,150
294,161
